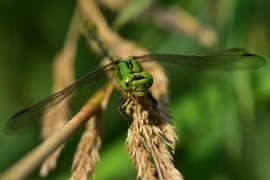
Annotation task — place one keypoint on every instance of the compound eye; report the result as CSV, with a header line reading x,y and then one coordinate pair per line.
x,y
149,77
126,82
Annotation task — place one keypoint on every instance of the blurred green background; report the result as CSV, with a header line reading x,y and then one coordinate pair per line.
x,y
222,119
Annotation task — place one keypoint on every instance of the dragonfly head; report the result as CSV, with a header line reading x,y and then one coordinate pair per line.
x,y
137,83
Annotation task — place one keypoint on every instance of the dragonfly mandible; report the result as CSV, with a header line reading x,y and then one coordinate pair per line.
x,y
130,77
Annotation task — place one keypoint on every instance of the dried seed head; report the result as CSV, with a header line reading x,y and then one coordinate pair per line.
x,y
87,151
146,146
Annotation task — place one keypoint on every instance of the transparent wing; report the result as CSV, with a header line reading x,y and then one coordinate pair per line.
x,y
78,94
223,62
228,51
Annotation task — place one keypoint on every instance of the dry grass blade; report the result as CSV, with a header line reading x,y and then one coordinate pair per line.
x,y
51,161
63,76
87,151
24,167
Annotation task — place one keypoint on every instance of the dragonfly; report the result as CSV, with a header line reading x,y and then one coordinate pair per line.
x,y
129,75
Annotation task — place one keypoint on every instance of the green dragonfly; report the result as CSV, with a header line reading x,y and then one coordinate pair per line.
x,y
135,82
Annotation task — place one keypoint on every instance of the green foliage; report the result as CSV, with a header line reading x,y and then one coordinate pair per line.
x,y
222,119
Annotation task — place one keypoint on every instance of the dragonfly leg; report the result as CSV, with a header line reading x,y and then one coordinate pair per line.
x,y
154,103
124,103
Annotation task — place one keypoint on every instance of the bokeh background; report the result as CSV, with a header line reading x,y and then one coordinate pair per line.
x,y
222,119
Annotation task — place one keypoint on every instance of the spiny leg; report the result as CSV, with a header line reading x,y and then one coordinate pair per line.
x,y
123,104
154,103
